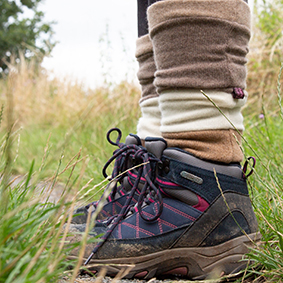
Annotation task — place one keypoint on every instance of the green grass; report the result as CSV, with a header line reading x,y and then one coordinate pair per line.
x,y
54,144
52,148
31,241
59,136
35,142
73,151
265,138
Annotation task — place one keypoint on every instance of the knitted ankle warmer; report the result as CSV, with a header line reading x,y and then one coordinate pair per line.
x,y
149,123
217,145
201,45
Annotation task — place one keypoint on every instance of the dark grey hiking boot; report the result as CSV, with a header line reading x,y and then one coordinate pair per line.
x,y
122,186
193,218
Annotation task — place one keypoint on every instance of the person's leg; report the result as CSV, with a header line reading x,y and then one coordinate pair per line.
x,y
201,45
142,6
149,123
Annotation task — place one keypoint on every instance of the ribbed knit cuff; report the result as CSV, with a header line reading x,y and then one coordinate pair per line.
x,y
200,44
144,55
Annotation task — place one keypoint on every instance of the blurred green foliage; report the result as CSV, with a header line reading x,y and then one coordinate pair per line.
x,y
22,27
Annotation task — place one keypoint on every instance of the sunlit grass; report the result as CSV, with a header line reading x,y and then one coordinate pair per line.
x,y
53,133
53,117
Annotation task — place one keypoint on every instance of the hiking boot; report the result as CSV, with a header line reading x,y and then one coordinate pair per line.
x,y
193,219
121,184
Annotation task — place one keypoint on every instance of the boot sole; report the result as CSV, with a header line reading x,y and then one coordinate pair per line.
x,y
192,263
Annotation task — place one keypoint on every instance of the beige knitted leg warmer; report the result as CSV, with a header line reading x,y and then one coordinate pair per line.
x,y
150,121
201,45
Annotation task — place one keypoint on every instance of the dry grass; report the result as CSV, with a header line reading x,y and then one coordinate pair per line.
x,y
58,117
40,100
265,57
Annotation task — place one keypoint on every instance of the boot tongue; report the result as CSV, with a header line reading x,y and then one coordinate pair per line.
x,y
155,146
132,139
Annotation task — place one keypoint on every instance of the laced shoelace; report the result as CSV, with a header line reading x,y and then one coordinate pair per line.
x,y
121,157
149,193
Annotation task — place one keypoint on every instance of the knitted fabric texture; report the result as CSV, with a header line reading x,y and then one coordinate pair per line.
x,y
200,43
149,123
144,56
191,110
217,145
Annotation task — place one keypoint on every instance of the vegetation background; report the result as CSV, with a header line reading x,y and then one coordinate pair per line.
x,y
53,131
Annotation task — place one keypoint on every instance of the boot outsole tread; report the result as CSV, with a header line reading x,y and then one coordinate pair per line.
x,y
187,262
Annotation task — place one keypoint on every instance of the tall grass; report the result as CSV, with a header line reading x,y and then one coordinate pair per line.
x,y
54,131
31,244
63,114
264,127
265,55
265,141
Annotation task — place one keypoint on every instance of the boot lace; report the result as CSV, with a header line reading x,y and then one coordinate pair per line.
x,y
146,170
121,157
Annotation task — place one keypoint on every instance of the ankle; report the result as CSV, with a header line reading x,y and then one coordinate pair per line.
x,y
213,145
